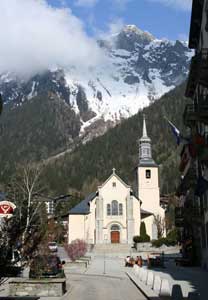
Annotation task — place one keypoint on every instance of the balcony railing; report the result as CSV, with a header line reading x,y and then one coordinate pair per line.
x,y
196,112
185,215
198,73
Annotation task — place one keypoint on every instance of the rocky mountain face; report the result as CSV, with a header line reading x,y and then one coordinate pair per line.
x,y
137,69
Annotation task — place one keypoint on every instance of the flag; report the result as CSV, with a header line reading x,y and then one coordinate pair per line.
x,y
175,131
201,187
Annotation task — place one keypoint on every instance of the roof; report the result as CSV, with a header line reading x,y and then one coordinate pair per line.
x,y
145,213
2,196
118,177
134,194
147,163
83,207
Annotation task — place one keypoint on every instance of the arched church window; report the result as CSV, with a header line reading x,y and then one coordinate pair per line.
x,y
108,209
115,228
120,209
114,208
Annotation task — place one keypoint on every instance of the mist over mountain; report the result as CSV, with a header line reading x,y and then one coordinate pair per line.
x,y
136,69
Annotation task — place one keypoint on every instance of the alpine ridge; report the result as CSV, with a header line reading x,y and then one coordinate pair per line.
x,y
137,69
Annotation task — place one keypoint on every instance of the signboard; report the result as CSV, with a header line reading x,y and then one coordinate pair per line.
x,y
6,209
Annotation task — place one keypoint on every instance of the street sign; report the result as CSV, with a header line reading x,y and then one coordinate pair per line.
x,y
6,209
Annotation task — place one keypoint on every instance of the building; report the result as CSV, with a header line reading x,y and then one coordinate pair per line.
x,y
114,212
193,189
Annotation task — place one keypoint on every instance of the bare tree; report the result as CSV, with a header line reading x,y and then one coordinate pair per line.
x,y
160,225
24,189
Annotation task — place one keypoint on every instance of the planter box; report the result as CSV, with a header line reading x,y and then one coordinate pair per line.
x,y
142,247
48,287
77,263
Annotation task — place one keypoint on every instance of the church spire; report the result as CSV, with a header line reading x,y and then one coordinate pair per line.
x,y
145,148
144,127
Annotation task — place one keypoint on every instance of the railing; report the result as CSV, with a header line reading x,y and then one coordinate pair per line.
x,y
196,112
185,215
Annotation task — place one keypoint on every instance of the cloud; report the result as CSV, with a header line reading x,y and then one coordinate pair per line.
x,y
35,36
121,4
112,28
85,2
178,4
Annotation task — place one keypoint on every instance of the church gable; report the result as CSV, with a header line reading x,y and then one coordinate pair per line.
x,y
113,182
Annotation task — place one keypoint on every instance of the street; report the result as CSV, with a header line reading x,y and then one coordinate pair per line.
x,y
87,287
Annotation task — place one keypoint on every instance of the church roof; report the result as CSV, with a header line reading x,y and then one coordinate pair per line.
x,y
118,177
2,196
145,213
147,163
83,207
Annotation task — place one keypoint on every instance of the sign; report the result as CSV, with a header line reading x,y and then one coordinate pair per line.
x,y
6,209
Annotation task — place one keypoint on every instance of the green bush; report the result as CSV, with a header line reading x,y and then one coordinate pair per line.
x,y
144,237
173,235
137,239
168,241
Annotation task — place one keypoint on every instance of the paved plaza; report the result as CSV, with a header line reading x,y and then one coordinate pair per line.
x,y
106,277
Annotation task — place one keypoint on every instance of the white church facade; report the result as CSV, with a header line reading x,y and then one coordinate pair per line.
x,y
113,214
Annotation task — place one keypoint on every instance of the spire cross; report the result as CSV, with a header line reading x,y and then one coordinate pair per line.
x,y
114,170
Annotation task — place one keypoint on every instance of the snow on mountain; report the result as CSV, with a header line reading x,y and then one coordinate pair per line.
x,y
137,69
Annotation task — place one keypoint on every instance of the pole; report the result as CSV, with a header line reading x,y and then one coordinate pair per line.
x,y
104,267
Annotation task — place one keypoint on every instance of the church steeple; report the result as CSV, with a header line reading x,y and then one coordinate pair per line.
x,y
145,148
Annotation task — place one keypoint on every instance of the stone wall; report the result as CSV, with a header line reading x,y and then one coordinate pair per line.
x,y
53,287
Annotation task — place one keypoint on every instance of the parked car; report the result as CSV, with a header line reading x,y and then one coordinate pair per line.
x,y
53,246
11,266
46,266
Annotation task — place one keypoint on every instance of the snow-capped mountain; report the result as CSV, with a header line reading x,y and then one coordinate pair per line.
x,y
137,68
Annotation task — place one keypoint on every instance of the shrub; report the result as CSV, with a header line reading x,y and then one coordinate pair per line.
x,y
158,243
137,239
143,229
144,237
173,236
76,249
168,241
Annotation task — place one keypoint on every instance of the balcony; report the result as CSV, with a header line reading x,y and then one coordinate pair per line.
x,y
198,73
187,215
196,113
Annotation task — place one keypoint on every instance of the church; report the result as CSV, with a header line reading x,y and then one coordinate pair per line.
x,y
113,213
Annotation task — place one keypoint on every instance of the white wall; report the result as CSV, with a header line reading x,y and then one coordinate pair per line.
x,y
149,194
76,227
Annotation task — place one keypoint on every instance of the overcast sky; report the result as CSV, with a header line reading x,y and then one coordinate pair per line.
x,y
39,34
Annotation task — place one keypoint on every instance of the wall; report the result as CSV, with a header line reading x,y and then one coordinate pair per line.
x,y
149,194
76,227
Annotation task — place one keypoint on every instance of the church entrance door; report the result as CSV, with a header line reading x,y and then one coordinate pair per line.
x,y
115,237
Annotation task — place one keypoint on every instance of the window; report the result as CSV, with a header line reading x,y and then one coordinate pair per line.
x,y
114,184
114,208
108,209
148,174
120,209
115,228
